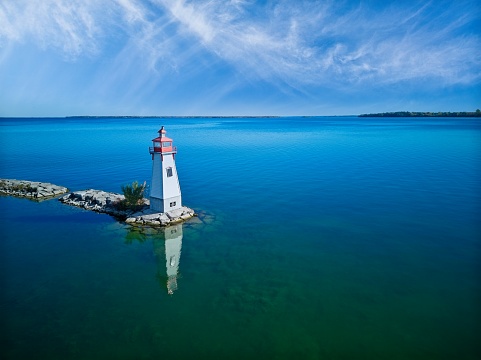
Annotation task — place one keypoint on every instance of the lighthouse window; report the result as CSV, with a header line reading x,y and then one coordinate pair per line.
x,y
167,144
169,171
172,204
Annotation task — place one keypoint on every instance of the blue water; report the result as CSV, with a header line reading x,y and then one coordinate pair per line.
x,y
329,237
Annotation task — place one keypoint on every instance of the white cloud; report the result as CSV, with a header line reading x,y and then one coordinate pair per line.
x,y
66,25
298,43
318,43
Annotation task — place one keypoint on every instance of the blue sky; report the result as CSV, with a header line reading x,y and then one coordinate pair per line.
x,y
238,57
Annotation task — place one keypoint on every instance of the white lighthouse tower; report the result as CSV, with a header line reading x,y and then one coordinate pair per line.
x,y
165,189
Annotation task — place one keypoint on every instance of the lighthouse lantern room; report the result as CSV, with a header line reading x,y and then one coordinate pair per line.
x,y
165,188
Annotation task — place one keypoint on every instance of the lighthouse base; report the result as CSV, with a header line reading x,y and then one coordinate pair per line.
x,y
165,205
151,217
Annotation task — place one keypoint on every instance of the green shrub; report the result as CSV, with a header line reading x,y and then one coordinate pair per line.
x,y
134,195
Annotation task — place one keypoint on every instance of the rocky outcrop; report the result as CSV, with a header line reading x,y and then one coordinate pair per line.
x,y
150,217
98,201
95,200
110,203
30,189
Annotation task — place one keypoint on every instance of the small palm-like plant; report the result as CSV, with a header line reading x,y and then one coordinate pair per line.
x,y
134,195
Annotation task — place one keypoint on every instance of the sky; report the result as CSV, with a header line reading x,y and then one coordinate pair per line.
x,y
238,57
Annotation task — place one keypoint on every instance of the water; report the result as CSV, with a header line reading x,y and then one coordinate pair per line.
x,y
333,238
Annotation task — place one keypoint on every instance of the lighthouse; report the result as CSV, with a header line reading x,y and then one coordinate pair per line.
x,y
165,188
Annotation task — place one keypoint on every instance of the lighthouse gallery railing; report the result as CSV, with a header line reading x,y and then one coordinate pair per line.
x,y
151,150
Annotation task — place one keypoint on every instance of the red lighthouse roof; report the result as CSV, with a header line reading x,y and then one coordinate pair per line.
x,y
162,143
162,136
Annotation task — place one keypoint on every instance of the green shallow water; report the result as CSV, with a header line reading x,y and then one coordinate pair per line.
x,y
359,242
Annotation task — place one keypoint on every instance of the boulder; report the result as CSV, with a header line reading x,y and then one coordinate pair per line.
x,y
186,216
151,217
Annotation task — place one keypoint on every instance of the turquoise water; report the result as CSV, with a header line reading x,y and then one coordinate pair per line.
x,y
319,238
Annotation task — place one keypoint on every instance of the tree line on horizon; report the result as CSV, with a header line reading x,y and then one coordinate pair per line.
x,y
476,113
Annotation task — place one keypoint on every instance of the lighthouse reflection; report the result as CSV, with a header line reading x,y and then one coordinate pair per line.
x,y
167,253
167,243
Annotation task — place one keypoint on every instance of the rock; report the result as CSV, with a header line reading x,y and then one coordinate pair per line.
x,y
151,217
208,219
195,220
175,213
185,216
163,217
31,189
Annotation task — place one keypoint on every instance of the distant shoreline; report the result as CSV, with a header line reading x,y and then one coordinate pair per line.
x,y
168,117
476,113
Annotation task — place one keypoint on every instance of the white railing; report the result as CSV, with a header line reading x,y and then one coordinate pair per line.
x,y
151,150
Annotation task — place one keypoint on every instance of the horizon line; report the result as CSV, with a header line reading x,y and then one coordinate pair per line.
x,y
166,116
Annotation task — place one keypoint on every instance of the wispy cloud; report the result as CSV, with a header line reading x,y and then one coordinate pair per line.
x,y
69,26
315,42
295,43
